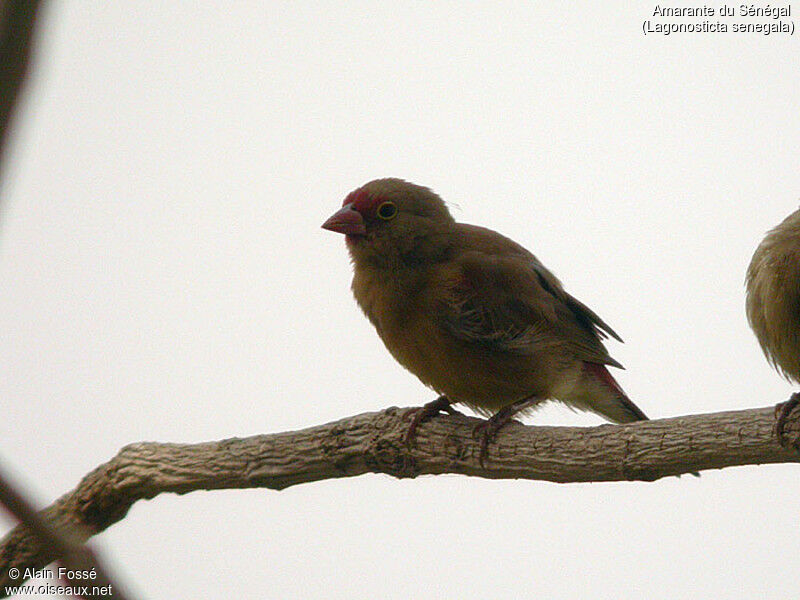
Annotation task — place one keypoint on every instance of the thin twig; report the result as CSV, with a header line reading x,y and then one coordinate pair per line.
x,y
17,26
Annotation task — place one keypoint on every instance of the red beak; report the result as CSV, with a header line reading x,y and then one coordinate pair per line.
x,y
346,220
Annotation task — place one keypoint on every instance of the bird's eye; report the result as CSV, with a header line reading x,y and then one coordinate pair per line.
x,y
387,210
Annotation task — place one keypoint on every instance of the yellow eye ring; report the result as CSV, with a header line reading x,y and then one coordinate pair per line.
x,y
387,211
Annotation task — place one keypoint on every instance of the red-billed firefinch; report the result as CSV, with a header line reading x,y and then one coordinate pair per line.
x,y
471,313
773,303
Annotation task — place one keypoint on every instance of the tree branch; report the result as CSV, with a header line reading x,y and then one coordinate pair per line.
x,y
373,443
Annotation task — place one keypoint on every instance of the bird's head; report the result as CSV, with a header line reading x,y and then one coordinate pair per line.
x,y
387,220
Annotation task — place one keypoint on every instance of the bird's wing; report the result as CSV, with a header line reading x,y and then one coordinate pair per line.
x,y
510,301
587,317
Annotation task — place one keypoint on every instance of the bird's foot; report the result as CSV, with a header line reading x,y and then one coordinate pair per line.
x,y
431,409
488,429
782,412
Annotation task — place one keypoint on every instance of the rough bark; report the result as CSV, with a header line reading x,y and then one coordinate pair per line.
x,y
372,443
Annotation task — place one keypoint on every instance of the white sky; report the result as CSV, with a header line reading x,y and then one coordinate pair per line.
x,y
164,277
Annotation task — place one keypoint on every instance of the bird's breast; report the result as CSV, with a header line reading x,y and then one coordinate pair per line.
x,y
403,314
380,297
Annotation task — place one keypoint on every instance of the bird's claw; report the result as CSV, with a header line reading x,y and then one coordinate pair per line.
x,y
431,409
485,430
782,412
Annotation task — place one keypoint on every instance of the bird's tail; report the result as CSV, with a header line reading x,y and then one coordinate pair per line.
x,y
599,392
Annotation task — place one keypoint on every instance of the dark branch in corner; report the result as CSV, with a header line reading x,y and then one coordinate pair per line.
x,y
17,25
373,443
75,556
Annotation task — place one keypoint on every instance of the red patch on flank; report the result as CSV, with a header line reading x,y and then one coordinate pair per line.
x,y
602,374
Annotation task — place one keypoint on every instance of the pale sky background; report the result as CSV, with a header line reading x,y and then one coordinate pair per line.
x,y
164,277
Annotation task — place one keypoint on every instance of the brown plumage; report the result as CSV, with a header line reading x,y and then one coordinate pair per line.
x,y
773,302
470,312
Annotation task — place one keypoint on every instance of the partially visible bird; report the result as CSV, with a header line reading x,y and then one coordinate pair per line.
x,y
773,304
471,313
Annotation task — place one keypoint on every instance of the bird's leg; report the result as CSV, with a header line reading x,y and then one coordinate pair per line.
x,y
783,410
489,428
431,409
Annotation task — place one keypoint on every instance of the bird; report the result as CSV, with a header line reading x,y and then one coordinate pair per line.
x,y
773,305
474,315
